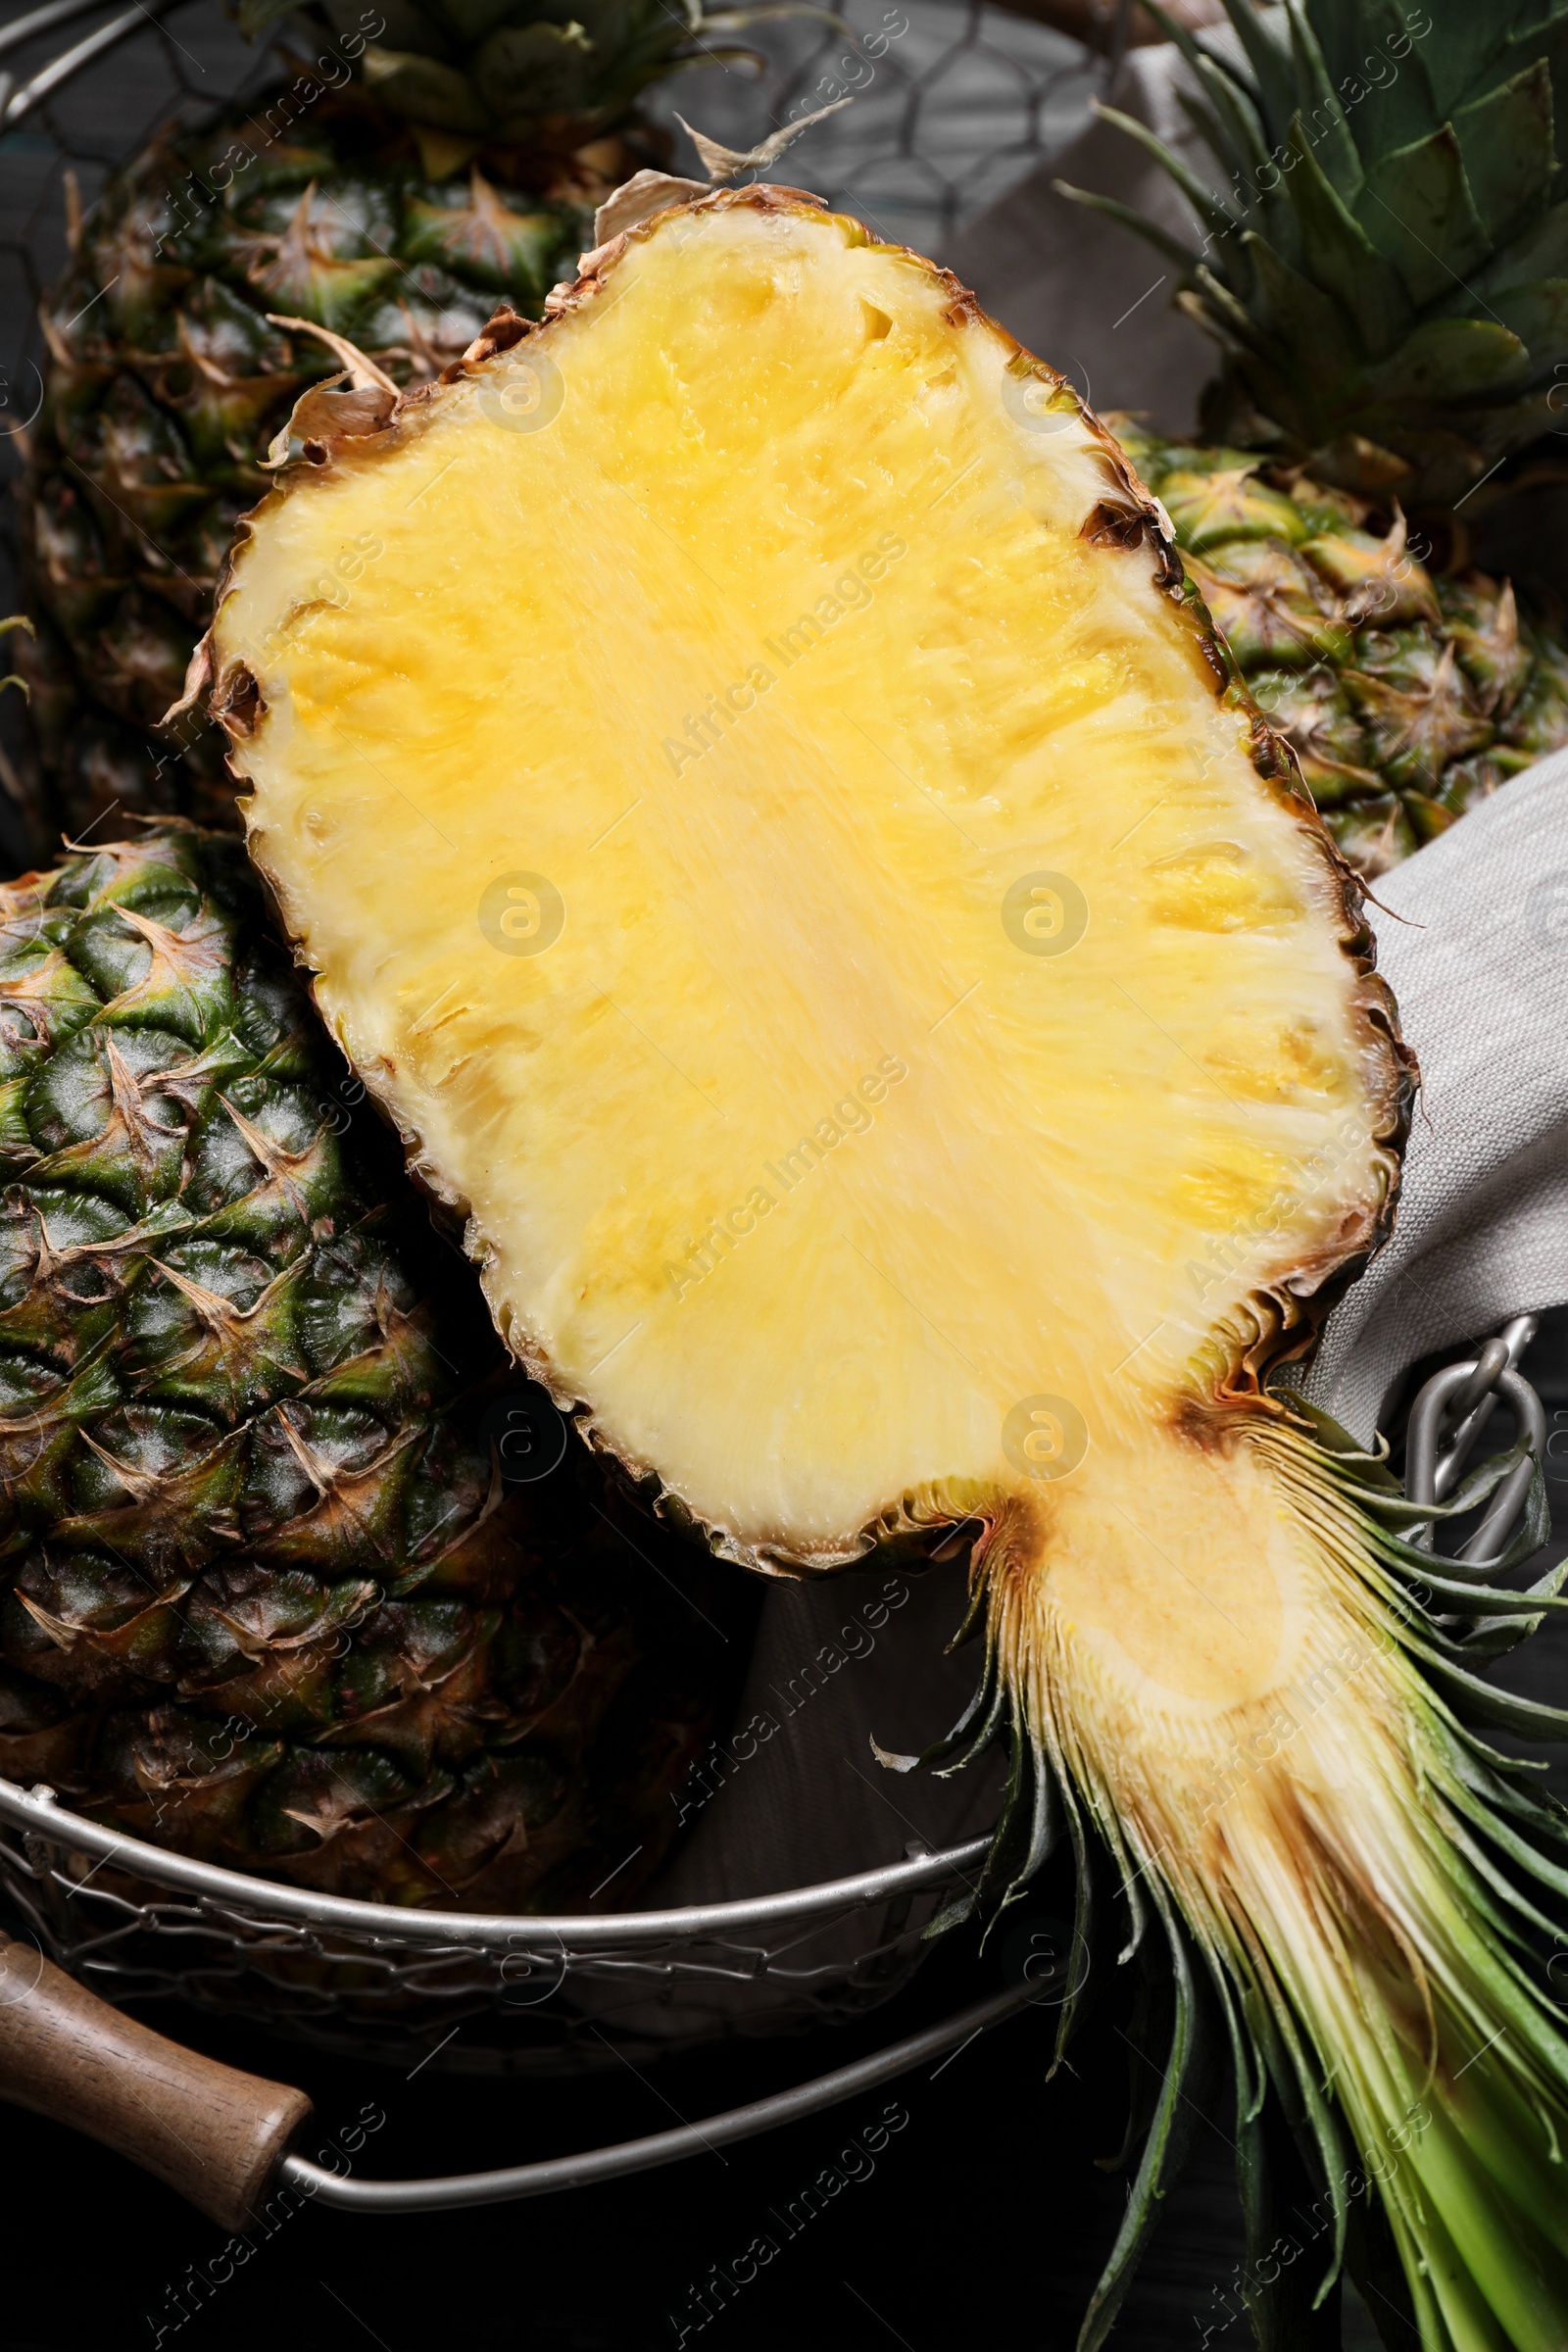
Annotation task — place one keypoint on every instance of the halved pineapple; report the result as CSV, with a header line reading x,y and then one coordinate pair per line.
x,y
775,833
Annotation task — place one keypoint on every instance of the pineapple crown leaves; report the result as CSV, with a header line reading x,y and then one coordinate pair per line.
x,y
1384,258
491,71
1447,1618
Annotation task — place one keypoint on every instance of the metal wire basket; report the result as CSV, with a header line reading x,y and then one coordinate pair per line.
x,y
532,1995
472,1992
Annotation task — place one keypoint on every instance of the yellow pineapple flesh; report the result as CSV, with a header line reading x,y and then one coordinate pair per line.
x,y
786,847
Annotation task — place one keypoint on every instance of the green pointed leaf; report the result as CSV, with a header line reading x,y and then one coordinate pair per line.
x,y
424,90
1343,29
1539,315
1338,255
1320,110
1175,31
1347,1456
1258,187
1236,324
1476,1701
1540,251
1378,71
1506,142
1254,2181
1418,211
1477,1485
1462,52
1236,112
1372,2262
1300,318
1216,217
1085,1924
1302,2095
1456,1599
1184,257
541,69
1170,2136
1193,302
1232,165
1522,1850
1145,2052
1270,61
1450,358
1549,41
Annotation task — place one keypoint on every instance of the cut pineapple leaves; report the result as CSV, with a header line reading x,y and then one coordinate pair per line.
x,y
775,829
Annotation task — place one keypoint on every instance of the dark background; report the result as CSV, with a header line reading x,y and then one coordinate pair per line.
x,y
986,2215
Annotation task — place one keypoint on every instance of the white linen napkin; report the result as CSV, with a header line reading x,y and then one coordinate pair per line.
x,y
1473,937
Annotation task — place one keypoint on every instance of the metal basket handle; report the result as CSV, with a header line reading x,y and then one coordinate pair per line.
x,y
221,2139
443,2195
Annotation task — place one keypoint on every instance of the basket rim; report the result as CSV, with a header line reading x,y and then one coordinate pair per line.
x,y
39,1811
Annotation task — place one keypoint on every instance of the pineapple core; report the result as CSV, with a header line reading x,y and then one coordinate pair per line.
x,y
786,860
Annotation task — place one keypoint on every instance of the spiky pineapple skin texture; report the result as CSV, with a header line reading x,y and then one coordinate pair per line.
x,y
166,383
1408,697
266,1598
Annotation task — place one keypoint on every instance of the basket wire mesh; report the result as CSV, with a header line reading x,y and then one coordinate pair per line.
x,y
518,1994
534,1996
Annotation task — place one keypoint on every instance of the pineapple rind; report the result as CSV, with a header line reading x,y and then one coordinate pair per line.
x,y
461,167
165,382
1371,366
264,1596
1407,698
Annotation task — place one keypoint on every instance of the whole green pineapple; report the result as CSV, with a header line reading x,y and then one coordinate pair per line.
x,y
420,162
264,1595
1385,269
1408,695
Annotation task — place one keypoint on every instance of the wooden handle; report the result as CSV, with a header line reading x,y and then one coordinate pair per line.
x,y
214,2135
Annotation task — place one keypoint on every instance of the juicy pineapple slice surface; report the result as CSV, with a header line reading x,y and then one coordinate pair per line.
x,y
786,860
772,828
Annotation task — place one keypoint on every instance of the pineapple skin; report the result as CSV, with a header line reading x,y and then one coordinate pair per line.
x,y
1406,696
264,1596
165,384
